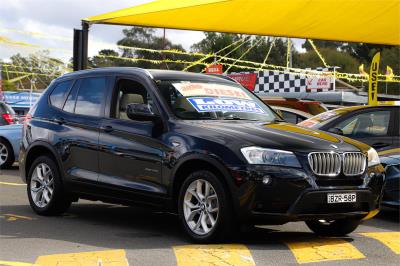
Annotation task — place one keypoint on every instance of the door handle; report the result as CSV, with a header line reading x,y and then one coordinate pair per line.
x,y
107,128
59,120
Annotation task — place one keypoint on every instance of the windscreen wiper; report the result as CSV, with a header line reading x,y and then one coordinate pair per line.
x,y
238,118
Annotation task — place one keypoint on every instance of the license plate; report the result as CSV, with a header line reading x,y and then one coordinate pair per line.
x,y
342,197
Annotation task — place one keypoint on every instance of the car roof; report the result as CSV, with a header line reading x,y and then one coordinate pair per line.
x,y
156,74
344,110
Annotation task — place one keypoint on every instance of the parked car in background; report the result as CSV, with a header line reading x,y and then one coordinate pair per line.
x,y
10,138
200,146
7,115
390,159
311,107
291,115
377,126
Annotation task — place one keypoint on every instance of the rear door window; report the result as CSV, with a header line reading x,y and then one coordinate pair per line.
x,y
57,96
91,96
69,105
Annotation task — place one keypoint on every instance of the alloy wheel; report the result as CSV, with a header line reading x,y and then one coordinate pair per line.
x,y
42,185
201,207
3,154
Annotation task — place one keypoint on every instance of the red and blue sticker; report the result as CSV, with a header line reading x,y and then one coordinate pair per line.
x,y
211,104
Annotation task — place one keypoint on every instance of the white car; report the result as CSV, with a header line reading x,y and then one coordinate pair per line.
x,y
292,115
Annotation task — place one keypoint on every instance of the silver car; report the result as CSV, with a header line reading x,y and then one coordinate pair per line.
x,y
10,138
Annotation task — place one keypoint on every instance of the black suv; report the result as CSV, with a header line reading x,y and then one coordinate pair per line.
x,y
201,146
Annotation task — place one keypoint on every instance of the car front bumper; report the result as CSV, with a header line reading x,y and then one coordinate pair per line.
x,y
298,195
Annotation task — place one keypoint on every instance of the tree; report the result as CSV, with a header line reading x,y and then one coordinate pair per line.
x,y
322,44
364,51
332,56
146,38
105,58
36,70
257,48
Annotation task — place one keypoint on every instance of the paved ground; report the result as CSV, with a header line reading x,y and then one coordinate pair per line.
x,y
93,233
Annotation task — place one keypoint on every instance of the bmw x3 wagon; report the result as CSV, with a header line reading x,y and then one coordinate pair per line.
x,y
197,145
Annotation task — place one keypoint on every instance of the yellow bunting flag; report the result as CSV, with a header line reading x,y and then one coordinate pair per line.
x,y
373,80
362,71
389,73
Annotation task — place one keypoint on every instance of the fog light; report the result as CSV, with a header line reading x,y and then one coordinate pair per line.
x,y
266,179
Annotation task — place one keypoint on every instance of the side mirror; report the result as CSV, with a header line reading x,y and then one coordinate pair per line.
x,y
141,112
336,131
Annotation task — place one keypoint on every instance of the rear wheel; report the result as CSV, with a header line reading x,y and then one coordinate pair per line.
x,y
339,227
204,207
45,190
6,154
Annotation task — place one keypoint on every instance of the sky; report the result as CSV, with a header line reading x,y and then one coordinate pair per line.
x,y
55,20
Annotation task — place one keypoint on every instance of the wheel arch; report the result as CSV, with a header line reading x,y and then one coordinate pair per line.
x,y
196,162
37,149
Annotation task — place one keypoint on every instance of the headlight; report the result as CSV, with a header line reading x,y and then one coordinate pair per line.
x,y
373,157
257,155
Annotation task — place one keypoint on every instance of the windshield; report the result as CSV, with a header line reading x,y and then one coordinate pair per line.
x,y
319,120
322,119
199,100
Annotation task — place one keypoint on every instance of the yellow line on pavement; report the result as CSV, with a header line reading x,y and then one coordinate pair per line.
x,y
196,255
15,263
12,184
323,249
104,258
390,239
14,217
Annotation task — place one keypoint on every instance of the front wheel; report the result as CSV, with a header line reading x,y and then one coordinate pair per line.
x,y
45,189
340,227
204,207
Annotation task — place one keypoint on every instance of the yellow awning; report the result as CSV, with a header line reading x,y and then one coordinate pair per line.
x,y
370,21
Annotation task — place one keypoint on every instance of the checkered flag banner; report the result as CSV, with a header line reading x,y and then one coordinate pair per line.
x,y
276,81
270,81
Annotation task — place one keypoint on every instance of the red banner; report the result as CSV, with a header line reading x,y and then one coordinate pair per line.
x,y
248,80
214,69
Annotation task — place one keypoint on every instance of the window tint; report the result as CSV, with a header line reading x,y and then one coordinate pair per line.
x,y
91,94
363,125
70,103
57,96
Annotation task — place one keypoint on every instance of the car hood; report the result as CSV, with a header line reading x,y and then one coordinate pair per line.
x,y
390,157
282,136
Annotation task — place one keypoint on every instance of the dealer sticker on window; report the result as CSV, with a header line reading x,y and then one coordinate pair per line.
x,y
210,104
210,89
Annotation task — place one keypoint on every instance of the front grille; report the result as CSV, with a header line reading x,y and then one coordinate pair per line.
x,y
325,163
354,163
332,163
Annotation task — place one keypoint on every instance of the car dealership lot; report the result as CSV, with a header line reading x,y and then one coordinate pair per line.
x,y
93,233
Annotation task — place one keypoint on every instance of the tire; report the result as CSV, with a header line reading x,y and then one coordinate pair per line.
x,y
339,227
39,187
218,198
6,155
